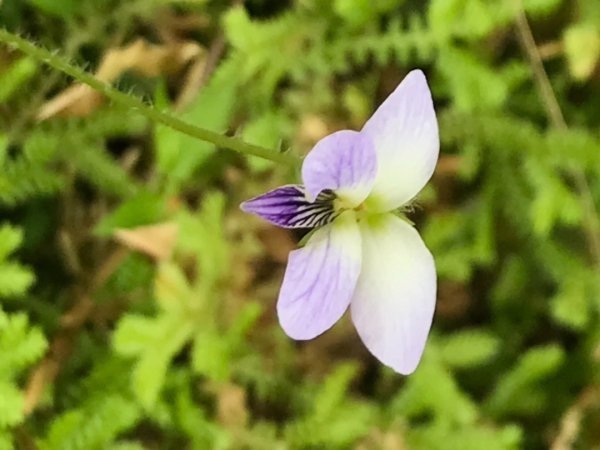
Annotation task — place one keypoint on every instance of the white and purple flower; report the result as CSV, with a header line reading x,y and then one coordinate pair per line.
x,y
362,253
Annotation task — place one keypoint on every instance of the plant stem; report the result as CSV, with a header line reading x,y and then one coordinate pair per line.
x,y
57,62
557,119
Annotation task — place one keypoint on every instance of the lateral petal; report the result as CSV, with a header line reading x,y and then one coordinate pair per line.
x,y
404,130
393,304
344,162
320,279
287,207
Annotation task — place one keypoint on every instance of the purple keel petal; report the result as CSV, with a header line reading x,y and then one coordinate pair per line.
x,y
344,162
287,207
392,307
320,279
405,133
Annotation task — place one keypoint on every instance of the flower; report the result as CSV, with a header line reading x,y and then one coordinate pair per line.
x,y
362,254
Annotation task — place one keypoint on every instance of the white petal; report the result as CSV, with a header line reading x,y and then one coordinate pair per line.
x,y
405,133
320,279
392,307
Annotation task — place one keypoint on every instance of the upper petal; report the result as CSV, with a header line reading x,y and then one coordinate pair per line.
x,y
404,130
392,307
287,207
320,279
344,162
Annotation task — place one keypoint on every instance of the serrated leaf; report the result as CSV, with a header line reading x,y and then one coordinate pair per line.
x,y
172,290
20,344
11,406
10,240
535,365
135,334
15,279
211,355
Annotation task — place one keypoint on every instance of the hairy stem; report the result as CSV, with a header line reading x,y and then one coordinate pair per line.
x,y
57,62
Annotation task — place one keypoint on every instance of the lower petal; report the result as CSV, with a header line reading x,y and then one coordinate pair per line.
x,y
320,279
393,304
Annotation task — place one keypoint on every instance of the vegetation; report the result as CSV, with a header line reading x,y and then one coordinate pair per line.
x,y
137,303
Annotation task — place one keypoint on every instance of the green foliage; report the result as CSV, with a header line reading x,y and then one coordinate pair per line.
x,y
21,345
516,392
181,348
15,77
178,156
332,420
92,427
469,348
186,309
15,279
77,147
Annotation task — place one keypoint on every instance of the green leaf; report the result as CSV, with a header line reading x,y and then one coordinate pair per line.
x,y
442,436
433,390
535,365
211,356
10,240
93,427
155,341
11,406
582,49
15,279
267,131
571,305
20,344
173,292
13,79
472,84
142,209
178,155
468,348
134,334
203,237
59,8
355,12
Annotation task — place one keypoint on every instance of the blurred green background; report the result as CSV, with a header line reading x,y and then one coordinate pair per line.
x,y
138,302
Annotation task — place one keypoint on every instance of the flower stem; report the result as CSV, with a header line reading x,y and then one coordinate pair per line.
x,y
57,62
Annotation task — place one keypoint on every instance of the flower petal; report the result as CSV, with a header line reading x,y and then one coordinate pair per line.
x,y
405,133
344,162
287,207
320,279
392,307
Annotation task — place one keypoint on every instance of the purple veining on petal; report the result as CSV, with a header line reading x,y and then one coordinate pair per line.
x,y
287,207
343,161
319,281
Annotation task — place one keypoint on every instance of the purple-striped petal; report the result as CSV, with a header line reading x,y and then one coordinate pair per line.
x,y
320,279
392,307
287,207
344,162
404,131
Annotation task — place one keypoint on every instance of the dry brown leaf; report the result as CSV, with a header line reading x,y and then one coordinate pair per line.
x,y
232,411
379,440
156,241
313,128
140,56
